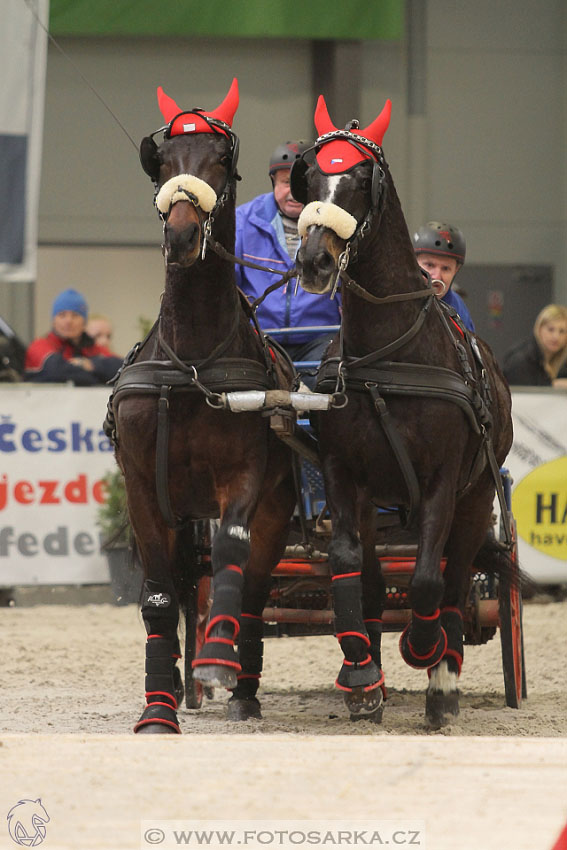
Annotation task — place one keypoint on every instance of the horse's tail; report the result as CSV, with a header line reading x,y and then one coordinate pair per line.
x,y
493,558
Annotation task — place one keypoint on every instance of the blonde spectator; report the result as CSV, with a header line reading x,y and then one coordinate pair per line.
x,y
541,360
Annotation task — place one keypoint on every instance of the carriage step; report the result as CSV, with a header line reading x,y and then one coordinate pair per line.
x,y
382,551
487,613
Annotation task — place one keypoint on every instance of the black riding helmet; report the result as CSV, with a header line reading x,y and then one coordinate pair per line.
x,y
285,155
437,237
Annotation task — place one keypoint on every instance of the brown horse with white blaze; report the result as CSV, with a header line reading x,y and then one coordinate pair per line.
x,y
426,426
183,459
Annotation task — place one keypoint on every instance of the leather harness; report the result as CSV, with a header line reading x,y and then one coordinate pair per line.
x,y
380,377
209,377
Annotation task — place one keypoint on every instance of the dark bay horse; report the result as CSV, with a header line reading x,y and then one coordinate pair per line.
x,y
183,460
426,426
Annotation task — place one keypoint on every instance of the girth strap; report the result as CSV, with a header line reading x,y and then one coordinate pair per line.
x,y
162,454
411,379
161,378
225,375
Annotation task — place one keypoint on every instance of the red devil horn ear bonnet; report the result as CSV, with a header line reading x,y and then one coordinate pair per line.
x,y
337,155
192,122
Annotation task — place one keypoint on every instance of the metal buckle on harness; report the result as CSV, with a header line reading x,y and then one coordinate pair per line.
x,y
341,267
207,231
339,397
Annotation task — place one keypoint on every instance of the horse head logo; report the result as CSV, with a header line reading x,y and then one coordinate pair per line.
x,y
26,823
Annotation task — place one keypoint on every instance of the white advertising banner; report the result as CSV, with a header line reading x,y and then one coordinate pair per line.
x,y
538,464
23,59
53,455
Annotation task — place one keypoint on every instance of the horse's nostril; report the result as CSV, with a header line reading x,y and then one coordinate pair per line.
x,y
323,261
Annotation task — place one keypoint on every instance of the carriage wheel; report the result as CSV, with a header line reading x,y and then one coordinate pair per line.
x,y
511,632
197,614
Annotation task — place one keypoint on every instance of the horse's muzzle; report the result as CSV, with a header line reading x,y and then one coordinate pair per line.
x,y
182,235
316,267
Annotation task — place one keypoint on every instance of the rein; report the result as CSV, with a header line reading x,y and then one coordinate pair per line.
x,y
385,299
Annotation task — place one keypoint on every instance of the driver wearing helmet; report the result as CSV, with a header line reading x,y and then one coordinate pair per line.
x,y
266,234
440,249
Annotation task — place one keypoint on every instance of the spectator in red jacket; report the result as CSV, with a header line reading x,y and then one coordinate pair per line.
x,y
68,353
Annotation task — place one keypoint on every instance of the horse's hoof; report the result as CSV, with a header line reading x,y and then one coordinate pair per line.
x,y
215,676
244,709
155,729
208,692
365,705
441,708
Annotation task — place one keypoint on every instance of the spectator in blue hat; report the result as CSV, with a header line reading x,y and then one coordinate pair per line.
x,y
67,352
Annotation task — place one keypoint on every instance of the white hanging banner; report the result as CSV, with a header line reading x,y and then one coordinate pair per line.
x,y
23,59
538,464
53,457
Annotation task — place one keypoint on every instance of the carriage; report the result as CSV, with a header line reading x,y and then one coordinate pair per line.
x,y
204,413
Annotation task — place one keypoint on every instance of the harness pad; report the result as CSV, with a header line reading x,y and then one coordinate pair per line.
x,y
175,189
327,215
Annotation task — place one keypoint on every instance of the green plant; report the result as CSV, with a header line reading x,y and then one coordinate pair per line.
x,y
145,325
112,514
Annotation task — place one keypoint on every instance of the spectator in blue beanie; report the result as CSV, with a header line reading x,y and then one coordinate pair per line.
x,y
67,352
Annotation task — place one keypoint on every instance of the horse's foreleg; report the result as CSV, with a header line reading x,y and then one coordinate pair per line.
x,y
217,664
160,612
373,586
269,533
359,677
424,641
468,531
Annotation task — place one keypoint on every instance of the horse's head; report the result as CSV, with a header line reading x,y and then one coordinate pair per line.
x,y
342,190
193,171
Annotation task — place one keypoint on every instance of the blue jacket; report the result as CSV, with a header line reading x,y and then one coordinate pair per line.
x,y
453,299
260,239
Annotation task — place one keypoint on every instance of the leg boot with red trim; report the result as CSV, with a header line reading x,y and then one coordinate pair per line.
x,y
442,698
423,642
160,612
217,664
243,704
359,678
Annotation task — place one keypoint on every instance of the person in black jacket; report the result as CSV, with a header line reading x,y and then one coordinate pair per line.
x,y
541,360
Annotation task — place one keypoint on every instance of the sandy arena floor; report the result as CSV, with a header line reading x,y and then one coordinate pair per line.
x,y
72,687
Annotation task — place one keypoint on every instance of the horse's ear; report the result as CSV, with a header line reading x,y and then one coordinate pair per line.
x,y
149,157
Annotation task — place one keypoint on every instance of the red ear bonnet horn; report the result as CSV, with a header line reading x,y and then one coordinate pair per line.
x,y
375,131
323,123
225,111
191,122
168,107
338,156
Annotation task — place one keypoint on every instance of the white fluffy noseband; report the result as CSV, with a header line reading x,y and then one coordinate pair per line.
x,y
327,215
173,190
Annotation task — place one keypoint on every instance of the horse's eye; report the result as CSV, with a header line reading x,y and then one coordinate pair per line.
x,y
225,160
